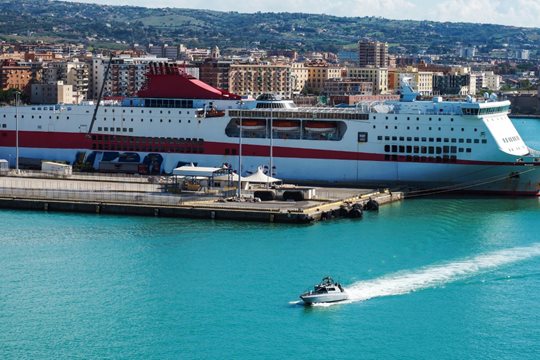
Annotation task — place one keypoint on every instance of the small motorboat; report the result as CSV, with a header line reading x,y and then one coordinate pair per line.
x,y
327,291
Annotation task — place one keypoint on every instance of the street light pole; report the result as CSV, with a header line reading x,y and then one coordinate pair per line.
x,y
271,143
17,132
240,154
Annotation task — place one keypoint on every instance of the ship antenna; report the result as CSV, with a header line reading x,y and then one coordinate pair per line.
x,y
100,95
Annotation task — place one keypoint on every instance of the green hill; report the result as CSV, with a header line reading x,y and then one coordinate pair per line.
x,y
29,20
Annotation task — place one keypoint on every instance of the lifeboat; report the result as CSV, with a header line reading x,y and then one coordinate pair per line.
x,y
251,124
320,126
285,125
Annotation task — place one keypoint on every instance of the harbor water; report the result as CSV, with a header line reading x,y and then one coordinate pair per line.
x,y
446,278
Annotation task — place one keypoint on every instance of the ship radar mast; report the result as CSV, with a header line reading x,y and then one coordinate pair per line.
x,y
407,94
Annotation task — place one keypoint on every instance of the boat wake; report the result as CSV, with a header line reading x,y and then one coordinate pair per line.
x,y
405,282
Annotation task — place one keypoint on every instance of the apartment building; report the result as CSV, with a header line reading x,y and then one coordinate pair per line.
x,y
15,76
377,76
372,53
318,74
258,79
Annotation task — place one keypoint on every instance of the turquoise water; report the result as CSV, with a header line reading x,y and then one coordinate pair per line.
x,y
447,278
453,277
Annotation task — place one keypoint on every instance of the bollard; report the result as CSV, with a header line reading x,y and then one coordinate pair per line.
x,y
212,214
156,212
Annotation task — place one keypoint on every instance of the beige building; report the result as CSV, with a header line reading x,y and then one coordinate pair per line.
x,y
58,93
73,73
318,75
258,79
378,76
420,81
299,77
492,80
340,86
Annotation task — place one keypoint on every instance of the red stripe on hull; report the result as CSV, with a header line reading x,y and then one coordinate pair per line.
x,y
65,140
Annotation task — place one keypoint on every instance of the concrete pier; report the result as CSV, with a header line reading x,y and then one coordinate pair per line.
x,y
143,196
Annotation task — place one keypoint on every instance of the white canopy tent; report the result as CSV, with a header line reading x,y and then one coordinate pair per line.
x,y
197,171
261,178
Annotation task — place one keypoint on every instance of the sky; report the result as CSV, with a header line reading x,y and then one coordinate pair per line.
x,y
506,12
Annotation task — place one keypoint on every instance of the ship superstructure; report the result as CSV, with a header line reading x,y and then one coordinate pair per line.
x,y
459,145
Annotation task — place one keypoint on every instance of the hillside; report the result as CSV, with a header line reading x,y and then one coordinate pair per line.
x,y
99,25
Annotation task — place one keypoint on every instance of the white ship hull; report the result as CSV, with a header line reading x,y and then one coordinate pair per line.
x,y
439,152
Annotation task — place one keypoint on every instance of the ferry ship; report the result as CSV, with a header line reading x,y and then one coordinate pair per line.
x,y
177,119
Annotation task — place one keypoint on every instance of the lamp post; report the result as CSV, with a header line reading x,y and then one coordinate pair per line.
x,y
271,143
240,153
17,132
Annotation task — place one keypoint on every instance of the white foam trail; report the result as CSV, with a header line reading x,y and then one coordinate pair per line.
x,y
409,281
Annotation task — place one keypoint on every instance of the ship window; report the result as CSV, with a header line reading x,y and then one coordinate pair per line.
x,y
379,137
446,140
476,141
394,148
446,149
409,138
401,138
468,150
395,127
453,140
408,118
417,118
99,128
431,150
423,149
106,128
401,148
423,139
387,118
395,118
118,129
438,149
460,141
484,141
394,138
453,149
409,149
469,141
386,127
461,150
416,149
